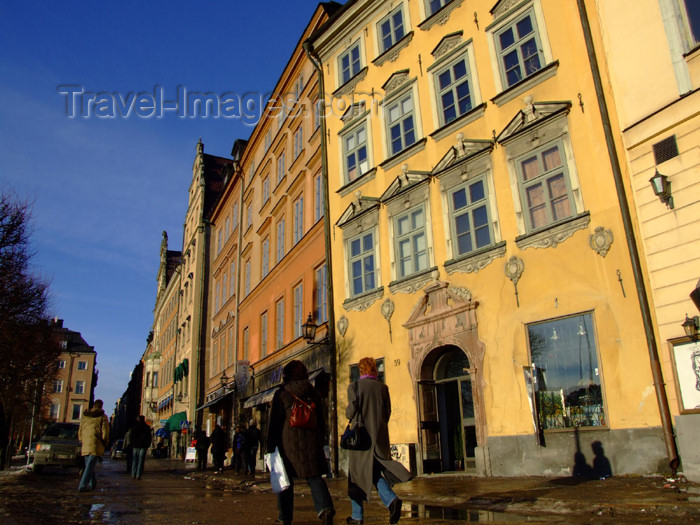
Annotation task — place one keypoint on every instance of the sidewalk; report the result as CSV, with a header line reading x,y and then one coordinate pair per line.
x,y
630,499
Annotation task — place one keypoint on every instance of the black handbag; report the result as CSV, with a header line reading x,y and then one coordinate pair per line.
x,y
356,436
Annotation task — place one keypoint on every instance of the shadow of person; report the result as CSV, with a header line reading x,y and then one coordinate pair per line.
x,y
601,464
581,468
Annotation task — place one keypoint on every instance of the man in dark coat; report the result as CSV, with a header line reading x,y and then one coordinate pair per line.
x,y
371,467
252,441
202,448
219,446
301,448
140,440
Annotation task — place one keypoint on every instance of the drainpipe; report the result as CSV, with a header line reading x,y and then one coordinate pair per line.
x,y
666,423
236,326
198,394
315,60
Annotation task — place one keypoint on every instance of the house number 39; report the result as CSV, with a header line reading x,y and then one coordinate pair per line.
x,y
397,362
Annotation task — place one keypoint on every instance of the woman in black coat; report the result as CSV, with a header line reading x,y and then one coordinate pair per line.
x,y
370,468
301,448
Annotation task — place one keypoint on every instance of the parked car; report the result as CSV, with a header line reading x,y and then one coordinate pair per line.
x,y
59,446
118,450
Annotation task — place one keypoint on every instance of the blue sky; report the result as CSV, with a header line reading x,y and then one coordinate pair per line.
x,y
103,189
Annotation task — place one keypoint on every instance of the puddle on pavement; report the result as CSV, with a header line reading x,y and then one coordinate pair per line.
x,y
97,513
449,513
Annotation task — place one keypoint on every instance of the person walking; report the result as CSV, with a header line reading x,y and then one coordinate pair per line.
x,y
219,445
128,449
93,434
202,447
301,448
372,467
140,440
239,450
252,439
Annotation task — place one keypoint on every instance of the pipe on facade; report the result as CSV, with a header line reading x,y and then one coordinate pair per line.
x,y
657,374
316,61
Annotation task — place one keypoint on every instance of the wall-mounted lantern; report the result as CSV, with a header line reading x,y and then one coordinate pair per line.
x,y
662,188
691,325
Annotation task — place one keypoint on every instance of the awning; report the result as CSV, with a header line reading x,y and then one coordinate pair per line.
x,y
173,423
261,397
216,400
162,432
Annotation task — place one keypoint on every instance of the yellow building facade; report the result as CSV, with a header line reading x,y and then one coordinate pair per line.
x,y
657,46
477,242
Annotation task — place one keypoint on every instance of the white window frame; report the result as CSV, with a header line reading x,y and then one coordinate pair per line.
x,y
298,222
58,386
469,209
298,141
281,167
279,324
321,282
247,277
232,280
61,362
263,334
474,95
390,19
318,198
265,246
429,11
399,99
79,406
266,189
298,296
279,244
354,66
82,365
412,235
361,257
54,410
360,167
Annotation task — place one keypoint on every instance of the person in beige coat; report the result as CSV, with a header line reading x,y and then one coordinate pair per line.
x,y
94,436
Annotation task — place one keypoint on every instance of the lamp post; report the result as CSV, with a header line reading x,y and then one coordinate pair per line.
x,y
308,329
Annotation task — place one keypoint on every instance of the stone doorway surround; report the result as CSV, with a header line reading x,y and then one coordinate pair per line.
x,y
446,316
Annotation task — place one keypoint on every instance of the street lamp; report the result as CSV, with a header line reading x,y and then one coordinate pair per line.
x,y
224,380
308,329
691,325
662,188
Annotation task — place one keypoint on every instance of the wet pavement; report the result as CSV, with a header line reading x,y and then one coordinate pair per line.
x,y
174,492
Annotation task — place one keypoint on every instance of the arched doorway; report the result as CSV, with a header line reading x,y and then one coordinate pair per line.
x,y
447,416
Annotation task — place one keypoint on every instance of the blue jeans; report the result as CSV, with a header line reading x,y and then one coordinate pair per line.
x,y
319,493
89,481
386,494
137,466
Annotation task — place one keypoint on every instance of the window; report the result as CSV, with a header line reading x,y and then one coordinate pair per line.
x,y
219,241
410,239
471,227
519,49
280,167
234,216
247,277
80,387
58,386
263,335
249,217
155,379
544,186
251,171
298,309
77,410
223,290
566,375
400,124
227,228
318,198
390,29
265,256
268,139
362,264
232,281
61,363
217,294
266,190
453,90
215,358
321,295
82,365
317,114
246,343
434,6
355,153
280,240
64,344
349,63
54,410
298,232
298,142
688,12
279,335
229,349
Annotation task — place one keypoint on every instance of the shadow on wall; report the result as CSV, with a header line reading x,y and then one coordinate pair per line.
x,y
601,468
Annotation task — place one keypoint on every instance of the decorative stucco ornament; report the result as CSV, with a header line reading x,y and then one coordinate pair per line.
x,y
342,325
387,312
514,270
601,240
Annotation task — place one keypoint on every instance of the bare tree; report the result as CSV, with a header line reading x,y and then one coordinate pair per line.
x,y
28,349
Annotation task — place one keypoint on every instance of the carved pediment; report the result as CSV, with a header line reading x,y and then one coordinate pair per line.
x,y
448,43
404,182
440,300
357,207
503,6
354,111
395,81
462,150
533,114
